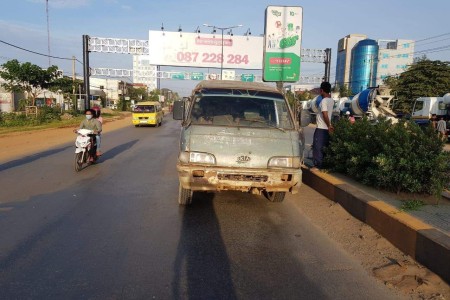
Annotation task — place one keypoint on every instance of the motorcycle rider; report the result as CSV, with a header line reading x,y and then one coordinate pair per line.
x,y
93,124
97,116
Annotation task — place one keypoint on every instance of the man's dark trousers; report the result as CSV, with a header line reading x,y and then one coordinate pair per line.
x,y
320,141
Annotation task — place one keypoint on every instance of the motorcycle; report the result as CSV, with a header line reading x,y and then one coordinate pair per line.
x,y
86,148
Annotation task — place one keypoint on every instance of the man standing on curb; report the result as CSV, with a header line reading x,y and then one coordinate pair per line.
x,y
324,126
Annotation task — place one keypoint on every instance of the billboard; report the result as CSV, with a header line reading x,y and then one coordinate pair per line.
x,y
203,50
282,43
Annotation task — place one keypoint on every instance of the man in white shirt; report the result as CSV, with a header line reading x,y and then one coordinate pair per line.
x,y
324,126
441,128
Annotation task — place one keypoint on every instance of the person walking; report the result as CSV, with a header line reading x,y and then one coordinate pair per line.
x,y
433,121
441,128
350,117
324,127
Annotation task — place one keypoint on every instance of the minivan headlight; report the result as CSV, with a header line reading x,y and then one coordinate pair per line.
x,y
284,162
197,157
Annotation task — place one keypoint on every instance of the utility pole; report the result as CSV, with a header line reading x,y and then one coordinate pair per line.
x,y
48,33
73,84
86,71
327,63
371,71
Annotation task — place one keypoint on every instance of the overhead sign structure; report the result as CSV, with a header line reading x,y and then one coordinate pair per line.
x,y
228,74
248,77
177,75
282,43
186,49
197,76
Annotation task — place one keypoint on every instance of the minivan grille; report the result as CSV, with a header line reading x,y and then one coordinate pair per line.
x,y
241,177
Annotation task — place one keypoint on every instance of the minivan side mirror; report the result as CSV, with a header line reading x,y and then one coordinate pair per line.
x,y
305,118
178,110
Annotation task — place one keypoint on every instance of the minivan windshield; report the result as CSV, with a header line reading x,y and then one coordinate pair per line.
x,y
144,109
240,111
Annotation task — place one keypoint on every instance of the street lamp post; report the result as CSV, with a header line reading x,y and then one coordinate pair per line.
x,y
222,29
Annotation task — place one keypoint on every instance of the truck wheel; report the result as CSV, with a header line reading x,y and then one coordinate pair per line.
x,y
276,196
184,196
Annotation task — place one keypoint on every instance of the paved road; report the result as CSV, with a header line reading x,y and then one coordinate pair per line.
x,y
115,231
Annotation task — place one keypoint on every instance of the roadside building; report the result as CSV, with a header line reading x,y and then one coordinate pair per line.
x,y
363,62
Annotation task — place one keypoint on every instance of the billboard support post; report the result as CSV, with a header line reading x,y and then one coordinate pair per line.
x,y
221,29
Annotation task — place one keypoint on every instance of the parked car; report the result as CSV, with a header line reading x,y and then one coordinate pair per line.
x,y
237,136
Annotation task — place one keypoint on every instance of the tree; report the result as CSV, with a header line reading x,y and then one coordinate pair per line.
x,y
424,78
291,98
64,84
154,95
27,77
138,94
344,91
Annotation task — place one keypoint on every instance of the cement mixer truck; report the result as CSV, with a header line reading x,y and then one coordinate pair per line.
x,y
372,102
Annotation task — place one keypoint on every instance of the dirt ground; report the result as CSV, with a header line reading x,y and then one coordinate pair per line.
x,y
20,144
380,258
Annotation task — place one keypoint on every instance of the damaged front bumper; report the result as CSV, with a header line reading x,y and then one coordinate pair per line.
x,y
212,178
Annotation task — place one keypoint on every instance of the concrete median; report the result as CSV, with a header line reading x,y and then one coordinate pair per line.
x,y
426,244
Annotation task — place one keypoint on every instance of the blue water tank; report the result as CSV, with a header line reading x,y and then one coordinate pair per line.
x,y
363,69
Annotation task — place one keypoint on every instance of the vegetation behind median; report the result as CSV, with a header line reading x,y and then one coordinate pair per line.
x,y
400,157
47,117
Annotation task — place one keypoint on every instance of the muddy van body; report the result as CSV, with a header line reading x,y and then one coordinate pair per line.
x,y
237,136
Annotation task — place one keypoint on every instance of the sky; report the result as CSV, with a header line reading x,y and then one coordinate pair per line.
x,y
24,24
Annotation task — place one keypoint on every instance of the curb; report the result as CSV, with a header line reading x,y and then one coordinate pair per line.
x,y
424,243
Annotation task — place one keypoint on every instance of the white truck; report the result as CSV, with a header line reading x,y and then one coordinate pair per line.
x,y
424,107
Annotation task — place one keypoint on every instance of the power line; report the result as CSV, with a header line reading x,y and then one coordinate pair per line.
x,y
433,42
415,53
46,55
433,37
432,50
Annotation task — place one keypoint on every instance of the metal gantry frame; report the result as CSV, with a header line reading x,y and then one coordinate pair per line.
x,y
110,72
141,47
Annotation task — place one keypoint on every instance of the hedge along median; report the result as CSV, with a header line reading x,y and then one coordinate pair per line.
x,y
401,157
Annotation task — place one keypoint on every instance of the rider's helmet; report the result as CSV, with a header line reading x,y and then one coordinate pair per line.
x,y
97,111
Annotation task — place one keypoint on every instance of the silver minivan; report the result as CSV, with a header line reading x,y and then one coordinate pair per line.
x,y
238,136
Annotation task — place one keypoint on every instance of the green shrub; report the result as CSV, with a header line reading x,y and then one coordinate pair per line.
x,y
398,157
15,119
47,114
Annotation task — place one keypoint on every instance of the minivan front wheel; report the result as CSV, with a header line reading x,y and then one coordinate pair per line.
x,y
184,196
276,196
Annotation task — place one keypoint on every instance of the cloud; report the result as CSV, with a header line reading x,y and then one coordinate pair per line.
x,y
127,7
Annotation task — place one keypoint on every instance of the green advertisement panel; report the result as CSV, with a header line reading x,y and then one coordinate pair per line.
x,y
282,43
281,67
